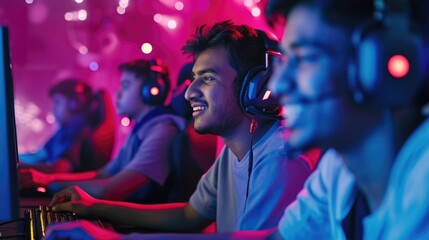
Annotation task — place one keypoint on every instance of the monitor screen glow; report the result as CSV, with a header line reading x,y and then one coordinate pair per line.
x,y
9,205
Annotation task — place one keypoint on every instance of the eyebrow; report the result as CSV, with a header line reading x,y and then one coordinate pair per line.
x,y
312,44
206,70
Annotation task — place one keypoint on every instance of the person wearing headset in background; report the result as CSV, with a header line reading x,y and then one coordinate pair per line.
x,y
251,181
355,79
71,101
141,167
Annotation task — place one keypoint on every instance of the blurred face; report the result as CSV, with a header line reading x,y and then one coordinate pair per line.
x,y
312,82
61,108
211,95
128,97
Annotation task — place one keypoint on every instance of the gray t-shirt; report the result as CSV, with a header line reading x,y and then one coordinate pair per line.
x,y
274,183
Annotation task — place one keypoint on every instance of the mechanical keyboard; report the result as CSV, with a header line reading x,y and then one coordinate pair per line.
x,y
37,219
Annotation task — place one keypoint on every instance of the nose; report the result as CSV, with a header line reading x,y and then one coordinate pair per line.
x,y
192,91
282,81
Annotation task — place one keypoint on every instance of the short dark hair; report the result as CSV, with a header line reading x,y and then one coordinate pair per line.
x,y
73,89
245,48
350,13
148,69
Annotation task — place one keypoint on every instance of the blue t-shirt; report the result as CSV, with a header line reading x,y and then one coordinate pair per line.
x,y
63,144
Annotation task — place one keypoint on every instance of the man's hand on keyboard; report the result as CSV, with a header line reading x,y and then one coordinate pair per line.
x,y
73,199
81,229
29,177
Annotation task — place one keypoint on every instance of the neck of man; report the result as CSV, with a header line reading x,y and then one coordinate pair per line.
x,y
144,111
239,142
372,157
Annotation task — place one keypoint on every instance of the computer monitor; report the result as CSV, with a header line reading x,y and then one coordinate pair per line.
x,y
9,205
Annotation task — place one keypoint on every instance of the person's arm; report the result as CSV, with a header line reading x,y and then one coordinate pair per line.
x,y
62,165
29,177
150,162
164,217
177,217
86,230
116,187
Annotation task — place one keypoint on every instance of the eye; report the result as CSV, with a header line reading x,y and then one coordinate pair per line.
x,y
207,78
308,57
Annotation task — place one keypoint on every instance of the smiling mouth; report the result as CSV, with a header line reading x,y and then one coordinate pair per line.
x,y
199,108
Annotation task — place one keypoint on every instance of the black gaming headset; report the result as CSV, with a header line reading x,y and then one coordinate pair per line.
x,y
154,90
388,67
255,98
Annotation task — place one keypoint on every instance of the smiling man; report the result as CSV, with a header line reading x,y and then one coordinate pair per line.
x,y
251,181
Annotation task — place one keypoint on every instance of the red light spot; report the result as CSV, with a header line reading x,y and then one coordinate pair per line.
x,y
41,189
398,66
79,88
154,91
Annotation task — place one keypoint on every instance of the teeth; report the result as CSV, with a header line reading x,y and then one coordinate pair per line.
x,y
199,108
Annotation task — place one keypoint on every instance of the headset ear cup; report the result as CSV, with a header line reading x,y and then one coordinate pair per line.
x,y
370,80
248,95
156,86
255,98
154,92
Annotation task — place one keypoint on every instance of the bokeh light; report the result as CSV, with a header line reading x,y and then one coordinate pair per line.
x,y
172,24
123,3
82,15
146,48
93,66
256,12
68,16
120,10
179,6
157,18
248,3
83,50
